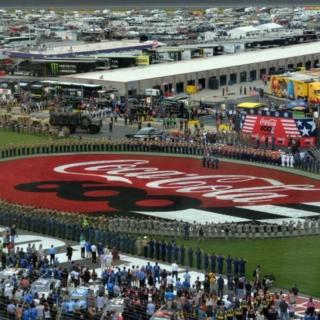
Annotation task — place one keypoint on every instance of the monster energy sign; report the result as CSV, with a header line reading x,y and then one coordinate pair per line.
x,y
54,68
57,68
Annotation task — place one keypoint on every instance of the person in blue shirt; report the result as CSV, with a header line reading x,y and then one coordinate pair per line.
x,y
30,268
220,260
151,248
169,296
187,276
163,249
190,254
100,249
148,268
151,308
142,278
105,277
110,289
28,298
26,314
57,273
88,249
157,249
206,262
242,266
23,263
220,286
213,260
175,250
236,265
178,285
186,284
33,312
169,252
48,273
186,229
112,277
52,252
182,254
118,276
199,258
229,264
156,272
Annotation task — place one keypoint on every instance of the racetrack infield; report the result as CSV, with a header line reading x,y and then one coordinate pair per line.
x,y
144,183
87,182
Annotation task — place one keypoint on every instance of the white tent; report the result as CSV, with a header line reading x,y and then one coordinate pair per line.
x,y
270,27
244,32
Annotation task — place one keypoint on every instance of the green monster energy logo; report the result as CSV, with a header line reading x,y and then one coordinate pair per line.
x,y
54,67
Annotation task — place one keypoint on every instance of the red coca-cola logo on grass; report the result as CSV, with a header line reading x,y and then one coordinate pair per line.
x,y
98,183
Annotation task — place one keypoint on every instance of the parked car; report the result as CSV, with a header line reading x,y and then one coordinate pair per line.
x,y
45,286
146,133
115,305
79,293
9,272
164,314
76,299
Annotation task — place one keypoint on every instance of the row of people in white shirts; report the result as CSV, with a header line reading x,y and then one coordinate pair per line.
x,y
287,160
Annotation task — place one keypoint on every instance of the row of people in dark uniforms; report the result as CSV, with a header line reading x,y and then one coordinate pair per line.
x,y
209,161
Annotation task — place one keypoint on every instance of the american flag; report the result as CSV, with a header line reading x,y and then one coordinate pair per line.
x,y
249,124
306,127
290,127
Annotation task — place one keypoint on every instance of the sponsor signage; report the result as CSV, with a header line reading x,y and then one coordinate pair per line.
x,y
136,183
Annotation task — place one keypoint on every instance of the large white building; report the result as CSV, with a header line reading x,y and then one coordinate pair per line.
x,y
207,72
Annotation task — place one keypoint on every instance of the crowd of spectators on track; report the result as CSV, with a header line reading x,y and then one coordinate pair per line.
x,y
142,290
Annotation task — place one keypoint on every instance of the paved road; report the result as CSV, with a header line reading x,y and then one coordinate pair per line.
x,y
119,129
118,132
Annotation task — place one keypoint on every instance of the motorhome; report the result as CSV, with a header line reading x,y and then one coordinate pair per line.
x,y
19,42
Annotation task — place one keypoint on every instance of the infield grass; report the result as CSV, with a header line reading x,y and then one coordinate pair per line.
x,y
291,260
7,138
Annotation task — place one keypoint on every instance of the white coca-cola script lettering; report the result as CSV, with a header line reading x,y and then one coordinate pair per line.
x,y
221,187
268,122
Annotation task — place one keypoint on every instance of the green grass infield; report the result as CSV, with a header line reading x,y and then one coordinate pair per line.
x,y
291,260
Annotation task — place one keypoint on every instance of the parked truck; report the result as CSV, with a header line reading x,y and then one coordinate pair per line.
x,y
296,85
74,121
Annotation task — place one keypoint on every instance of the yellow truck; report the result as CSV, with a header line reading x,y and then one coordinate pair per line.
x,y
192,89
296,86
